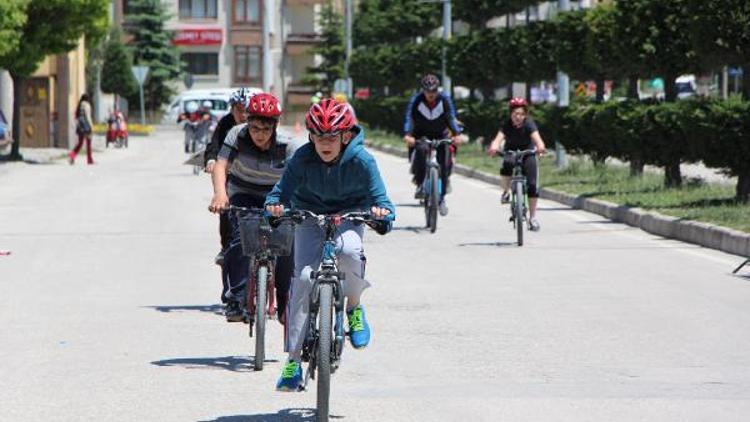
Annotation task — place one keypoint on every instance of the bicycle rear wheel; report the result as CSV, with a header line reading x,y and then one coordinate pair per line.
x,y
434,200
518,202
260,317
324,351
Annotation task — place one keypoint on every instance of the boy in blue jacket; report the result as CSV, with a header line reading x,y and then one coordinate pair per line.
x,y
331,174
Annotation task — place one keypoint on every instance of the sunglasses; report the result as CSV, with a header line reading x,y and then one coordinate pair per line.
x,y
261,129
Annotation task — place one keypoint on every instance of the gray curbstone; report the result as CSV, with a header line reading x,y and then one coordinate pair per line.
x,y
708,235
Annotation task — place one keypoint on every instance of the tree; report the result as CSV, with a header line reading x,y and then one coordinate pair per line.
x,y
478,12
117,77
152,46
394,21
12,20
721,34
51,27
331,50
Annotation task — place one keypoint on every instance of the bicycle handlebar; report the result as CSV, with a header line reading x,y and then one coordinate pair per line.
x,y
435,142
366,217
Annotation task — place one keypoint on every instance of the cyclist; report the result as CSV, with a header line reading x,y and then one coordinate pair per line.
x,y
519,132
194,117
431,114
237,115
332,173
254,158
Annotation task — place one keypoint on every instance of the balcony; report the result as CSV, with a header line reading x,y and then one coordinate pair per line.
x,y
298,94
297,44
303,2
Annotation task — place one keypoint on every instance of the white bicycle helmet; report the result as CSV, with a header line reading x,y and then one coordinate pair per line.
x,y
191,106
207,104
241,96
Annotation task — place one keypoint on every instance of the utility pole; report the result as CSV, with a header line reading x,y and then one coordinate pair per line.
x,y
348,16
266,41
447,21
563,83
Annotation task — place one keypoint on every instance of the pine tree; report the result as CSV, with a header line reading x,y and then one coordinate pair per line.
x,y
117,78
331,50
152,46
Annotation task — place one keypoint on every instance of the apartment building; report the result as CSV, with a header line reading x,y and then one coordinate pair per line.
x,y
221,42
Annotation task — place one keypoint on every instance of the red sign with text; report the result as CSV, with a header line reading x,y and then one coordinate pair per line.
x,y
198,37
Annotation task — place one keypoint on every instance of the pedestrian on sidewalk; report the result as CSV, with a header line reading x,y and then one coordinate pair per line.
x,y
84,127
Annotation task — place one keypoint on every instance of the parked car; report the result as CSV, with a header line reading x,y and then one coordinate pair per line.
x,y
219,97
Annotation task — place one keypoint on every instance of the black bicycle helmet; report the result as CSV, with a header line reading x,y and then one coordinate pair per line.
x,y
430,82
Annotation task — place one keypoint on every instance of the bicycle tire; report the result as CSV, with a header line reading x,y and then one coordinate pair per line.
x,y
518,193
324,350
261,294
434,200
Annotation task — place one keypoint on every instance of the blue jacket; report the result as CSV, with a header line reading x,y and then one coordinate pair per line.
x,y
352,183
422,120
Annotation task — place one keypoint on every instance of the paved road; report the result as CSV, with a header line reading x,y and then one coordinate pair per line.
x,y
109,302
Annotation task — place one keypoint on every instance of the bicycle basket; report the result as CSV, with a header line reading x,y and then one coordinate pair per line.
x,y
257,235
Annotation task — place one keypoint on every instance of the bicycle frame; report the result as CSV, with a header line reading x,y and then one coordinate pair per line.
x,y
327,273
431,162
517,178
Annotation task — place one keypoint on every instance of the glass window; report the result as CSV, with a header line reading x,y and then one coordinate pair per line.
x,y
198,9
247,63
201,63
247,11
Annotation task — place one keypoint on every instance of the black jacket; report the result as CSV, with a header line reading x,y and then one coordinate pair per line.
x,y
222,128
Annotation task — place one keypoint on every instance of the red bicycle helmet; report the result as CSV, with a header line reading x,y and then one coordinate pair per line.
x,y
329,117
264,105
518,102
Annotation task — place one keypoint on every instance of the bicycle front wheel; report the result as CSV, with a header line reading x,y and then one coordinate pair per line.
x,y
518,193
260,316
434,200
324,350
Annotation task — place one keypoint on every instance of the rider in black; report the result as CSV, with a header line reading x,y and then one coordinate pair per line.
x,y
237,115
431,114
519,132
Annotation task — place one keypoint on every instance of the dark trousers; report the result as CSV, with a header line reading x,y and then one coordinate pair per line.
x,y
236,268
418,156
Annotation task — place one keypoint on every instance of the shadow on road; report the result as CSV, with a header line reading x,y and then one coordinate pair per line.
x,y
229,363
414,229
410,205
217,309
286,415
500,244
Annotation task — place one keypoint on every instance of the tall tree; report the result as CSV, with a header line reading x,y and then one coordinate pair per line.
x,y
478,12
51,27
394,21
331,50
721,33
152,46
117,78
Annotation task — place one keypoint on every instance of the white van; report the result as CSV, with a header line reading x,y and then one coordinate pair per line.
x,y
219,98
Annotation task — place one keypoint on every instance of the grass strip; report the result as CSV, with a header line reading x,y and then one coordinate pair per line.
x,y
697,200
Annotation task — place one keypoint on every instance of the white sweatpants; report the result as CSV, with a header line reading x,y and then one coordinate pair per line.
x,y
308,250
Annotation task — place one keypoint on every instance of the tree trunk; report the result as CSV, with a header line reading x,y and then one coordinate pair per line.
x,y
743,187
15,154
636,167
599,90
670,92
672,175
746,81
633,87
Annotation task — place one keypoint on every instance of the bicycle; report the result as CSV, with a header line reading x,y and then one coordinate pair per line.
x,y
519,199
323,344
432,186
262,244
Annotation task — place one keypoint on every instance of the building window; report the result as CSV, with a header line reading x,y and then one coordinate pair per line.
x,y
247,11
198,9
247,64
201,63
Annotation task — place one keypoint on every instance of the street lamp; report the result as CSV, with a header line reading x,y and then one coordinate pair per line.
x,y
447,21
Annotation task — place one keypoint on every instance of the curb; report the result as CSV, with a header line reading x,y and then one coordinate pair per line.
x,y
703,234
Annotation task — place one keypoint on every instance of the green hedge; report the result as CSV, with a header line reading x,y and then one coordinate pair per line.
x,y
715,132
